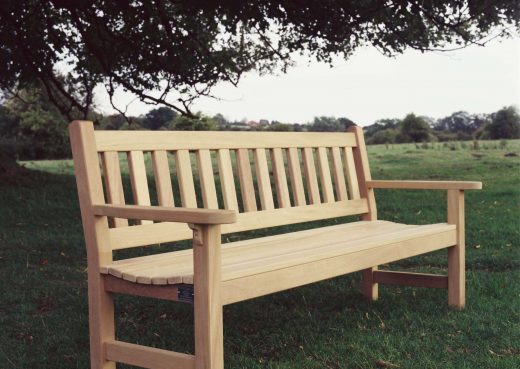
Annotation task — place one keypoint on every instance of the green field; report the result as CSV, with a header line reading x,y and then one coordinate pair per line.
x,y
43,304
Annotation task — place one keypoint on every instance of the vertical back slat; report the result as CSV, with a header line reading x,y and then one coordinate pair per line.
x,y
246,180
324,170
338,175
293,161
310,176
185,177
163,180
350,171
139,180
262,178
114,183
280,179
227,181
207,179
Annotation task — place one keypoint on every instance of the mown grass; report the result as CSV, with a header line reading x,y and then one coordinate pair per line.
x,y
43,304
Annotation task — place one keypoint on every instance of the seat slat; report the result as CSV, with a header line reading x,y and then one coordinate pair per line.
x,y
310,176
139,180
295,173
338,174
246,180
262,178
325,178
163,181
114,183
280,179
207,179
227,181
185,178
350,171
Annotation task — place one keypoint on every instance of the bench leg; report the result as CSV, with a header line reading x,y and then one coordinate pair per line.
x,y
456,254
369,288
101,321
209,339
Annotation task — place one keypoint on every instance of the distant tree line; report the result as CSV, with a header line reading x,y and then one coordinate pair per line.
x,y
31,127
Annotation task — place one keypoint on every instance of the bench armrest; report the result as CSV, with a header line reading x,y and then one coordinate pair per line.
x,y
426,185
167,214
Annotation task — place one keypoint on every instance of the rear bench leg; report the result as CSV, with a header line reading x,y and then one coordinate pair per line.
x,y
456,254
209,339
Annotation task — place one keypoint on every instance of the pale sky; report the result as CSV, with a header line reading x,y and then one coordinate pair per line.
x,y
369,86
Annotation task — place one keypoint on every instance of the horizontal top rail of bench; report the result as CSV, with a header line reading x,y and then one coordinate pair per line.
x,y
180,140
425,185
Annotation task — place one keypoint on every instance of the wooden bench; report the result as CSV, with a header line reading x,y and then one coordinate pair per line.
x,y
298,177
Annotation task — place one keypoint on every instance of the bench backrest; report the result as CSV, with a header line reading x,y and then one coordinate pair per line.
x,y
298,176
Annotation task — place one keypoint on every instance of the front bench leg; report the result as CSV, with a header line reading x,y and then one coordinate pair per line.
x,y
456,254
209,340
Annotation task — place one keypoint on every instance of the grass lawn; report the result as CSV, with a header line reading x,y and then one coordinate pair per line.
x,y
43,303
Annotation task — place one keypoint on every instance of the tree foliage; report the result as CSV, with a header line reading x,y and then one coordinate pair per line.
x,y
183,48
505,123
415,129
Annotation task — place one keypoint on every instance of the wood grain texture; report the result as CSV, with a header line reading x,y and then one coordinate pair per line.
x,y
426,185
338,174
163,181
207,179
263,180
147,357
456,254
227,180
114,183
95,229
246,180
313,189
185,178
280,178
139,180
179,140
295,173
351,174
325,178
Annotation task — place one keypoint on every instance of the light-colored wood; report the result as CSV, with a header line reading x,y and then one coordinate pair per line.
x,y
262,179
244,258
163,180
209,336
167,214
280,179
179,140
295,173
118,285
207,179
90,190
426,185
227,181
350,172
185,177
411,279
278,280
339,176
139,180
246,180
325,178
114,183
368,286
147,357
456,254
122,238
313,189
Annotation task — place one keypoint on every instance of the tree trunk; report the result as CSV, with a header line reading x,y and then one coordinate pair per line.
x,y
8,166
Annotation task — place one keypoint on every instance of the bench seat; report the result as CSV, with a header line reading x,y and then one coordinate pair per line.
x,y
267,254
